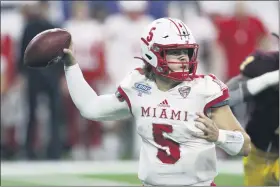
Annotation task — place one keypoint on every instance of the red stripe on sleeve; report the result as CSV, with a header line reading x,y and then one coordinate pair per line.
x,y
223,97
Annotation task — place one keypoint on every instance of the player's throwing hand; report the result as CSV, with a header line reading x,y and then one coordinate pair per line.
x,y
69,58
210,129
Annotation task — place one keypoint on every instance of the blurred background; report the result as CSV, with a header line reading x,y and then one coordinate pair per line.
x,y
38,118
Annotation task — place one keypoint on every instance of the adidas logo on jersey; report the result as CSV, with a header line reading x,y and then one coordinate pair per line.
x,y
164,104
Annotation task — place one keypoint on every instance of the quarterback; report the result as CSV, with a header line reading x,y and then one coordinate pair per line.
x,y
180,116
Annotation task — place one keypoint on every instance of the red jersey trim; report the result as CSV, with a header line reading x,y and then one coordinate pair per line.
x,y
223,97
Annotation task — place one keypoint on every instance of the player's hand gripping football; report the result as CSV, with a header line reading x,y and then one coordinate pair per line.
x,y
69,58
208,126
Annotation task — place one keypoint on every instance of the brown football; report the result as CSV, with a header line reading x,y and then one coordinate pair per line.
x,y
46,48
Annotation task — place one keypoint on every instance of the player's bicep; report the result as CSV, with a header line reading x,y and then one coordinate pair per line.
x,y
106,108
225,119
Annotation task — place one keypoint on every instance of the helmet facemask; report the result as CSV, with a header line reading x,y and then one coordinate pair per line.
x,y
162,65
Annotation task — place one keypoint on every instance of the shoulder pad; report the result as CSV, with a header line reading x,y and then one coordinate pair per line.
x,y
213,83
217,92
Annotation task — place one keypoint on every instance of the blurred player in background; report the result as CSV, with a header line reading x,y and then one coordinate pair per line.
x,y
258,86
38,82
13,105
8,146
87,34
178,140
239,35
122,32
3,74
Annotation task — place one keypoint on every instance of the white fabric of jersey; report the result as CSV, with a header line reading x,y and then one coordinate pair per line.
x,y
165,122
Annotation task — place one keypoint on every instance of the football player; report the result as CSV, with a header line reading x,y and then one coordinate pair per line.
x,y
257,86
180,116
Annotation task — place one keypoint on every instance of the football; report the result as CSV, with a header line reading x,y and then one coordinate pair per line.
x,y
46,48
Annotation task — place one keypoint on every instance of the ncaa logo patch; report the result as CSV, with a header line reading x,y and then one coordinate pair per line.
x,y
142,88
184,91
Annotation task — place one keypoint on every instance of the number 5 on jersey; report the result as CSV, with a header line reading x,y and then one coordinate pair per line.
x,y
167,157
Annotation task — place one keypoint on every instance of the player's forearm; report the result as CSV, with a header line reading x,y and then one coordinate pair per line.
x,y
246,148
230,141
80,92
231,137
258,84
234,142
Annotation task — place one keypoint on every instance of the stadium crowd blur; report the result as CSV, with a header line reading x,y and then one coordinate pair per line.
x,y
38,118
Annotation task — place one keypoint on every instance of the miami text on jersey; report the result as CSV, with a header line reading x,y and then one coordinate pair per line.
x,y
164,113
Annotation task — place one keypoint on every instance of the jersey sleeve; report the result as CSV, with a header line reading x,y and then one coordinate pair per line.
x,y
217,93
124,90
259,63
92,106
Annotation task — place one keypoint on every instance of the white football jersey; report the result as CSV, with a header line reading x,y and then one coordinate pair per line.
x,y
169,154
